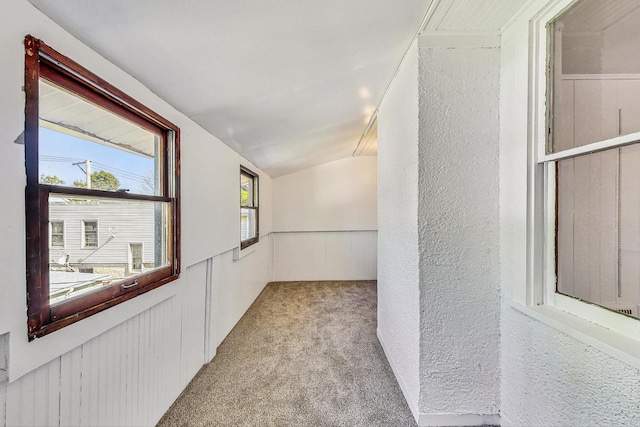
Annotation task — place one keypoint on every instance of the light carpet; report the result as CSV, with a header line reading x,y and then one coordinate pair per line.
x,y
304,354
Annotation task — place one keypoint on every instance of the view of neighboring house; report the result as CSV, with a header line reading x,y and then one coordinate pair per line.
x,y
104,239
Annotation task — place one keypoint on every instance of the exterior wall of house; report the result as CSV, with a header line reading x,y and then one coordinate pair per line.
x,y
118,226
325,222
459,235
398,279
127,364
548,377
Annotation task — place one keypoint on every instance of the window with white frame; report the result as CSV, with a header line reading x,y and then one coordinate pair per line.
x,y
591,159
89,234
56,235
248,207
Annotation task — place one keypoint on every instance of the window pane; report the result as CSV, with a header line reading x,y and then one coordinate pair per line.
x,y
595,73
57,234
247,224
82,144
599,228
246,190
131,238
90,230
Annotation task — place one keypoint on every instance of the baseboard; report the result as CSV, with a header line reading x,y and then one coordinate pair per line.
x,y
412,405
458,420
436,419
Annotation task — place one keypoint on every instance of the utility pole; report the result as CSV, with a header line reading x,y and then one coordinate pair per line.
x,y
86,170
87,164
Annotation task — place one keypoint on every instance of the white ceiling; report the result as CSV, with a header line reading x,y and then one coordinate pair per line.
x,y
289,84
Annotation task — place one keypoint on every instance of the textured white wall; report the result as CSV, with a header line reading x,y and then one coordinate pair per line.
x,y
340,195
548,378
398,296
459,231
125,365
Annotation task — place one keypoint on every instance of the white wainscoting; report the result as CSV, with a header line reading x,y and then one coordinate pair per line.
x,y
325,255
132,373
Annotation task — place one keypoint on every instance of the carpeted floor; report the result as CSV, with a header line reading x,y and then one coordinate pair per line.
x,y
304,354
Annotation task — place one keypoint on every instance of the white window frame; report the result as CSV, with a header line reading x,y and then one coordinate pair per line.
x,y
84,242
608,331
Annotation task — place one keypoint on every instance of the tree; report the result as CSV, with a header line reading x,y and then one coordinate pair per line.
x,y
100,180
50,179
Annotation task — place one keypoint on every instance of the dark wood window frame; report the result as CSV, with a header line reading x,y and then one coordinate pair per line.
x,y
254,205
43,318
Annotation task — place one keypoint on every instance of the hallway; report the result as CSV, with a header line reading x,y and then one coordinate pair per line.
x,y
305,354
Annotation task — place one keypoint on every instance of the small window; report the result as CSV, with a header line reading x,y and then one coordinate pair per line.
x,y
107,168
248,208
135,257
57,235
89,234
594,153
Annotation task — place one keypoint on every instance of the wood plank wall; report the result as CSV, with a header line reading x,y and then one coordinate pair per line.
x,y
131,374
327,255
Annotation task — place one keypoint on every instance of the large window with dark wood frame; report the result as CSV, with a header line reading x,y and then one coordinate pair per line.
x,y
248,208
102,171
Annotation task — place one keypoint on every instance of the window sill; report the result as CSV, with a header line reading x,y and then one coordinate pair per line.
x,y
615,344
241,253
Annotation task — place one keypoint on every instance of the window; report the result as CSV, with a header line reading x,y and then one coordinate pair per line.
x,y
593,153
89,234
100,161
135,257
57,235
248,208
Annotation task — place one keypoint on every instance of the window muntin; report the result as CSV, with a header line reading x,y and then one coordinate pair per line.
x,y
73,116
594,166
248,208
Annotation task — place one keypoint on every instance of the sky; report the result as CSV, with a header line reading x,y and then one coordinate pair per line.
x,y
58,152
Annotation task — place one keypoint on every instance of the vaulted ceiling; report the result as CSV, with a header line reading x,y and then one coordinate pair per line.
x,y
287,83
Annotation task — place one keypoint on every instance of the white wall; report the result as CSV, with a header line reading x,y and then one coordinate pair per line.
x,y
327,255
126,364
335,196
548,377
398,294
438,268
325,222
459,232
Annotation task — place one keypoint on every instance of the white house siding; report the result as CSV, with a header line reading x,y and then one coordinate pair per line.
x,y
128,222
548,377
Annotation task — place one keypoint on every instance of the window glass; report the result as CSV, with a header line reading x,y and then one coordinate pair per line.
x,y
248,223
57,234
595,75
103,174
83,145
90,234
248,207
111,257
